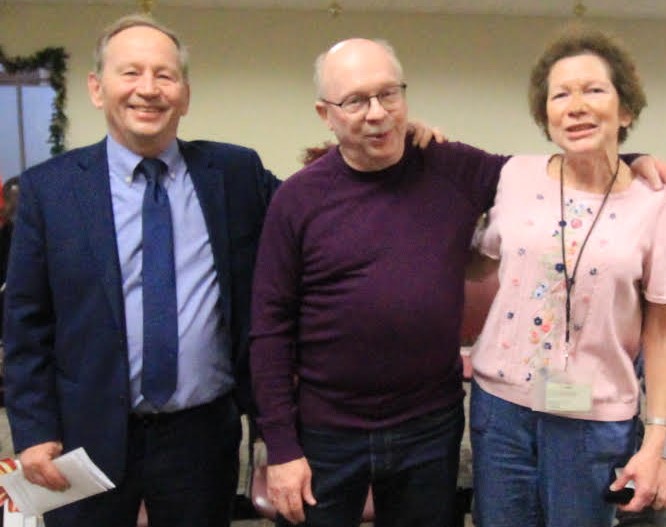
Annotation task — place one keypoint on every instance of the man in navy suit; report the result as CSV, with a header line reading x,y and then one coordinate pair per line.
x,y
74,326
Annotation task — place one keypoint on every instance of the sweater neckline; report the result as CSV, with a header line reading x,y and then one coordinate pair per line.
x,y
391,173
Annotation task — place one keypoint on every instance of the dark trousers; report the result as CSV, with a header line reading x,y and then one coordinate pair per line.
x,y
183,465
413,469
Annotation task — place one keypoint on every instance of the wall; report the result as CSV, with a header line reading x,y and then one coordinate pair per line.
x,y
251,72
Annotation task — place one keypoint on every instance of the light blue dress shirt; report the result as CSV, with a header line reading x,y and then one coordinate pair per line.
x,y
204,363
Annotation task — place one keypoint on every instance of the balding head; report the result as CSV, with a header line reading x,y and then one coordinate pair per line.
x,y
352,47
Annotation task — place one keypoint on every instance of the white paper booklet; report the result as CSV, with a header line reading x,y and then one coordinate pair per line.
x,y
17,519
85,479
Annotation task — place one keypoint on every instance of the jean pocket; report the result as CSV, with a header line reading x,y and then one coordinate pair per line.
x,y
480,409
610,440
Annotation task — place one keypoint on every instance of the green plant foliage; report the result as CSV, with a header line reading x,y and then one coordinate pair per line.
x,y
54,60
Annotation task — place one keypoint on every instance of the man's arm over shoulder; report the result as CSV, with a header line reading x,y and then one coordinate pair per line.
x,y
473,171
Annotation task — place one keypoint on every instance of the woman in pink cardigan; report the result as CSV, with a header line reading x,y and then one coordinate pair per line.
x,y
582,270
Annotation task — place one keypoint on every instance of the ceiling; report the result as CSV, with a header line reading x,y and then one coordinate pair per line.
x,y
594,8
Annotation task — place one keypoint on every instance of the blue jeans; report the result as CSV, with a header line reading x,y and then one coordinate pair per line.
x,y
412,468
534,469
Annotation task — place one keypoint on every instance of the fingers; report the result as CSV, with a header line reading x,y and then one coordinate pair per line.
x,y
420,133
423,139
296,512
651,170
289,505
38,467
307,494
661,169
438,136
653,176
288,485
644,495
423,134
660,498
620,482
639,501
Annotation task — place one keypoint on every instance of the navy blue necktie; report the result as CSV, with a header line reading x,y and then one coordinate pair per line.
x,y
160,310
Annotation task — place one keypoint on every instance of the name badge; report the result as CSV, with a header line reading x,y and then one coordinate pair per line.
x,y
555,392
565,397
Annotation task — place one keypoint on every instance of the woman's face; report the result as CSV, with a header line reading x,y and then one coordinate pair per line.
x,y
583,107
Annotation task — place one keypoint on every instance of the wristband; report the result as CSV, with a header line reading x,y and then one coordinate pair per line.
x,y
658,421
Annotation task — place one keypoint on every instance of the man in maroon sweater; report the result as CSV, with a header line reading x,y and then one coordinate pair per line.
x,y
358,291
357,305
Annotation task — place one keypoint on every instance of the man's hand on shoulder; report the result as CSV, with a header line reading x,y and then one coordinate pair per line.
x,y
651,169
289,484
38,467
424,133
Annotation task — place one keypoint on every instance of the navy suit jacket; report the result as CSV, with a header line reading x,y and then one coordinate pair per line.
x,y
66,359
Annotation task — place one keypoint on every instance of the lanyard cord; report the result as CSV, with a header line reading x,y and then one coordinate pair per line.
x,y
571,280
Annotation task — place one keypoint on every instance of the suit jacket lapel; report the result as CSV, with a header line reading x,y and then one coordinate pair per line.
x,y
208,180
93,192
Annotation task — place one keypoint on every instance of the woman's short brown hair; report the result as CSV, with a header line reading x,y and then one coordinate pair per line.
x,y
576,41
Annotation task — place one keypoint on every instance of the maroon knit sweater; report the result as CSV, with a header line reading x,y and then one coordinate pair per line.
x,y
358,291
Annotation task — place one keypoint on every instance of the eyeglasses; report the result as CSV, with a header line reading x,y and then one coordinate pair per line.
x,y
390,98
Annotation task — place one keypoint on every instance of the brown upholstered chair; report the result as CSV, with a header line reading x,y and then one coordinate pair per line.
x,y
478,298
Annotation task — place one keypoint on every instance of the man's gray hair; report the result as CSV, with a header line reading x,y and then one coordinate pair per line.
x,y
137,20
319,62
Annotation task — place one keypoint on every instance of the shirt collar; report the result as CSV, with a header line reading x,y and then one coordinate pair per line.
x,y
122,161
